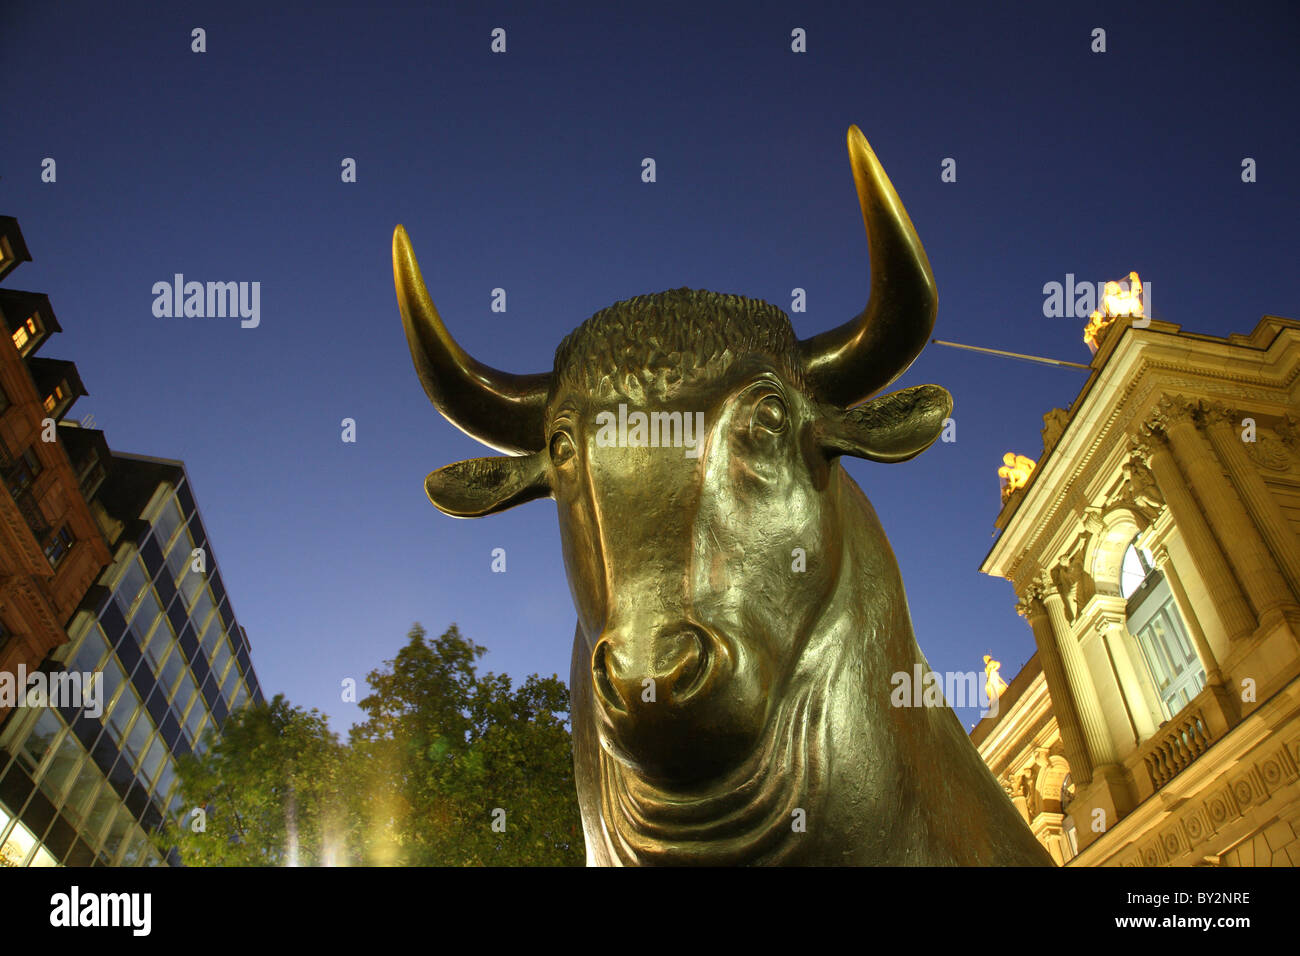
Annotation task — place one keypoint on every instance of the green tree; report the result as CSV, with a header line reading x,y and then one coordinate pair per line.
x,y
270,790
462,769
449,768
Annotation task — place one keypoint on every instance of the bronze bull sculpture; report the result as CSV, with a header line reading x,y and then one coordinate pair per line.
x,y
740,612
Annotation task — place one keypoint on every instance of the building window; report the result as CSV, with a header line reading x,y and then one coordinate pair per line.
x,y
62,767
91,652
59,545
1156,625
1070,837
221,660
11,854
119,719
179,559
185,692
81,797
133,581
103,809
26,334
169,519
194,725
1135,569
21,848
23,473
91,478
148,611
53,399
1174,665
32,748
172,669
119,830
230,688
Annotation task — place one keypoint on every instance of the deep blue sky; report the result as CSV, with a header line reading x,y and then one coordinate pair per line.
x,y
523,171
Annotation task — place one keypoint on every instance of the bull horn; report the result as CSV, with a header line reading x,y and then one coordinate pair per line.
x,y
501,410
849,364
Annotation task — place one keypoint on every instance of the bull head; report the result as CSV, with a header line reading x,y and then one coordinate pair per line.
x,y
843,366
701,661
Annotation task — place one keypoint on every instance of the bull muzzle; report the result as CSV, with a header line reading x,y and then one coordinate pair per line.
x,y
635,674
676,701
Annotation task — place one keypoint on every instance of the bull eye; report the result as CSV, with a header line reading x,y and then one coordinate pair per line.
x,y
770,414
561,448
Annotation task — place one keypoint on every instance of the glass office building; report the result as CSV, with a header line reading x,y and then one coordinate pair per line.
x,y
77,789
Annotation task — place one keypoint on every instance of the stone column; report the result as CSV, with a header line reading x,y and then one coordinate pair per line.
x,y
1224,590
1018,799
1211,663
1119,645
1031,608
1241,543
1096,734
1221,425
1046,828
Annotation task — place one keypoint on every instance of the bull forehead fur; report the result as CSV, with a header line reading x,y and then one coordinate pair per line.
x,y
645,346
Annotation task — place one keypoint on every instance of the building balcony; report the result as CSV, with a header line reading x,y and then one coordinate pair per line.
x,y
34,517
22,552
1178,742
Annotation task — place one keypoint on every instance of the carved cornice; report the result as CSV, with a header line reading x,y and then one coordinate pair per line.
x,y
1048,589
1103,624
1030,604
1168,411
1276,394
1215,413
1224,374
1128,398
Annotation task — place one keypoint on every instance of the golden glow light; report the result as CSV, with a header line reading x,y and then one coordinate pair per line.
x,y
994,685
1115,302
1014,473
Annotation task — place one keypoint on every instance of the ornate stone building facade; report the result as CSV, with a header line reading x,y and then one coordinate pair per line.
x,y
1154,555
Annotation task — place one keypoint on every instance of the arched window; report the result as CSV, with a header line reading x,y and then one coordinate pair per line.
x,y
1137,565
1155,623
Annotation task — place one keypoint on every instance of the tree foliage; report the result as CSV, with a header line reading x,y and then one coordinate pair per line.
x,y
448,768
270,790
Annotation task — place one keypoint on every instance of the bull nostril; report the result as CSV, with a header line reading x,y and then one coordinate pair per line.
x,y
600,679
692,666
669,668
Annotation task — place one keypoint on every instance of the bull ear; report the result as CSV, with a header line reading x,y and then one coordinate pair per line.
x,y
483,486
893,427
